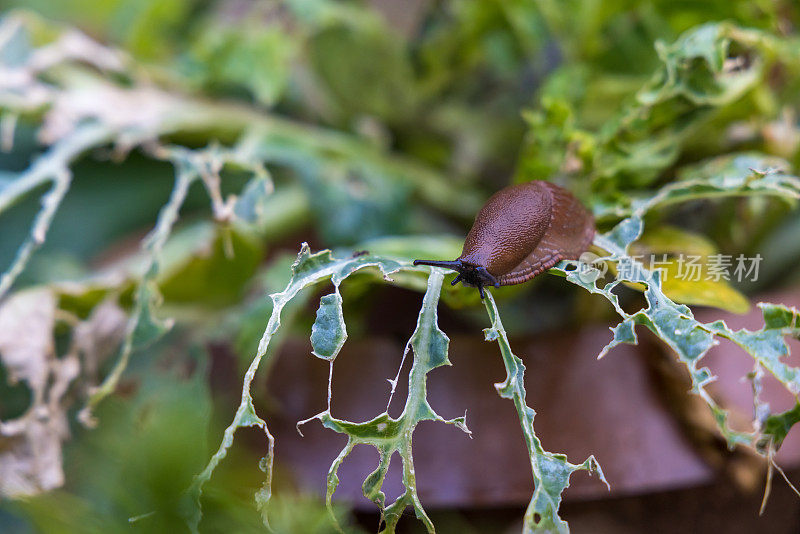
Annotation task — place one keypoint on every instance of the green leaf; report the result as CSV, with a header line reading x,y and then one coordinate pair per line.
x,y
436,247
775,429
696,76
748,174
708,71
713,77
337,57
215,269
15,46
143,326
674,323
356,204
148,27
329,333
308,269
250,54
768,345
551,472
389,435
147,327
251,204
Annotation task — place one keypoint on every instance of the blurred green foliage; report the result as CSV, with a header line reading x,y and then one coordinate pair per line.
x,y
358,126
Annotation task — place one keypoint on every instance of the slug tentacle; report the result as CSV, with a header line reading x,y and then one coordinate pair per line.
x,y
470,275
520,232
455,264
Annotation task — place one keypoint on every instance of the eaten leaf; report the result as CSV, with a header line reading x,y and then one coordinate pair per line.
x,y
692,271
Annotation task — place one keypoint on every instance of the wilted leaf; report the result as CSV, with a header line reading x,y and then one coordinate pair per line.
x,y
30,445
99,336
26,337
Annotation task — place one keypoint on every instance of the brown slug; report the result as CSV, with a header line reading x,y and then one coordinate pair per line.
x,y
520,232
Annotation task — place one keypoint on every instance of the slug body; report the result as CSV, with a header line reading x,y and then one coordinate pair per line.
x,y
520,232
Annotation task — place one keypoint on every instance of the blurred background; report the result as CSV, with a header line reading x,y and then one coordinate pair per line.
x,y
379,126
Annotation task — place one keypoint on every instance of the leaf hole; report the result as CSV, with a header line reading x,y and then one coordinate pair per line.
x,y
739,58
631,300
536,518
17,397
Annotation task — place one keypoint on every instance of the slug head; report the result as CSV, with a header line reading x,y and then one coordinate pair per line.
x,y
468,274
